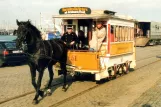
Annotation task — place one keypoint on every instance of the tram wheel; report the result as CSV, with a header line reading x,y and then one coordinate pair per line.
x,y
126,68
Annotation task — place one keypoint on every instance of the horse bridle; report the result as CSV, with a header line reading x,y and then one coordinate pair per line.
x,y
22,38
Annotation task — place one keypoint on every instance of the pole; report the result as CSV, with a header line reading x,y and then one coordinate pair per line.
x,y
40,21
54,25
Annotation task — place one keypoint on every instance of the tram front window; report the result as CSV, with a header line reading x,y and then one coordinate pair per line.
x,y
84,33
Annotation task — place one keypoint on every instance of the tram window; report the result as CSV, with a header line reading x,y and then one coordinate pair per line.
x,y
112,33
126,34
81,28
94,24
129,36
132,33
112,29
120,33
70,21
86,31
123,33
117,33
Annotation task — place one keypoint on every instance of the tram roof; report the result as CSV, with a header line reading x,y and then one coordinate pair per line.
x,y
95,14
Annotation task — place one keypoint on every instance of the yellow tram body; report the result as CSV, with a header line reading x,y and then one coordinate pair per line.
x,y
116,54
78,59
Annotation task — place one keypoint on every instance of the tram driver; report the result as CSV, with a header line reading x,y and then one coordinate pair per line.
x,y
70,38
98,36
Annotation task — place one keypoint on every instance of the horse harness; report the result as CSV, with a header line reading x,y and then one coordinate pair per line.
x,y
41,52
39,55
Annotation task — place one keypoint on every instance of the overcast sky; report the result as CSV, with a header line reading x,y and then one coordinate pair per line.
x,y
30,9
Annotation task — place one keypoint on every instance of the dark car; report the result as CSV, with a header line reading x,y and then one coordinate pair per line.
x,y
10,54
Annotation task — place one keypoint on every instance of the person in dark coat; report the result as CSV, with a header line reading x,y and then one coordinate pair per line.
x,y
82,40
70,38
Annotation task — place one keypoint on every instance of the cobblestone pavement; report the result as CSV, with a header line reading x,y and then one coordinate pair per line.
x,y
16,81
150,98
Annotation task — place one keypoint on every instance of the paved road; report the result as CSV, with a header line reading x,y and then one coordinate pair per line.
x,y
16,81
150,98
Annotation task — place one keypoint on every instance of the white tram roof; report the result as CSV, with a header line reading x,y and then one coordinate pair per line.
x,y
146,21
95,14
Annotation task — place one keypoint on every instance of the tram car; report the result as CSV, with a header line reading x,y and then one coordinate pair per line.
x,y
116,54
147,33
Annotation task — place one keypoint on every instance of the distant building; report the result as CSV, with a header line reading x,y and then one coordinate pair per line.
x,y
6,32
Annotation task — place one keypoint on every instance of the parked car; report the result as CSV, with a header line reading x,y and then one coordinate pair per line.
x,y
10,54
7,38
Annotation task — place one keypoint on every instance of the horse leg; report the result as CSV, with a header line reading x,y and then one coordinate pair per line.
x,y
38,92
33,75
33,78
51,74
63,68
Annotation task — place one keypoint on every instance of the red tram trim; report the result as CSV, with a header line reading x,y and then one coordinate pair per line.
x,y
109,38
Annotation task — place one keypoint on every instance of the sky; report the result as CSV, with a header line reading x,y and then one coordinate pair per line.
x,y
149,10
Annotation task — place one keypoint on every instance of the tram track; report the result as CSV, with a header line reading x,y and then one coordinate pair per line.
x,y
91,88
150,48
148,57
25,94
76,95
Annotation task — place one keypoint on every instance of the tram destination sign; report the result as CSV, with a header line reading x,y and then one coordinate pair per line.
x,y
75,10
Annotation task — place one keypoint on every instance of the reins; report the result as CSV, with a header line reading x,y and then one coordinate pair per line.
x,y
47,57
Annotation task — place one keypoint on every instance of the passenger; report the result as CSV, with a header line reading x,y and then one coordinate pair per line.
x,y
98,36
70,38
82,40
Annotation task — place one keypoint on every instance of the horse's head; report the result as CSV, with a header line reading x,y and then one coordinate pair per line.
x,y
22,33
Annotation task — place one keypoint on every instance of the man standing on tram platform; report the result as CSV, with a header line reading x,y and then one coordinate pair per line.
x,y
98,36
70,38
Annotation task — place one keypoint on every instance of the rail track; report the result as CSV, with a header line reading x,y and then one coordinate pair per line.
x,y
91,88
138,50
76,95
147,58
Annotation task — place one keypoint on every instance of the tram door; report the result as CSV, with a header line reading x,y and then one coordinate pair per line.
x,y
86,26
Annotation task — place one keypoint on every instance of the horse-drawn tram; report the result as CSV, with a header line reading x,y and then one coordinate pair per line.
x,y
116,53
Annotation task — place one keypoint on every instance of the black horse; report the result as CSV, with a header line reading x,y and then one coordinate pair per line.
x,y
42,54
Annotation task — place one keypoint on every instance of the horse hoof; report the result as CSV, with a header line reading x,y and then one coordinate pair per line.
x,y
35,102
64,88
41,93
49,92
